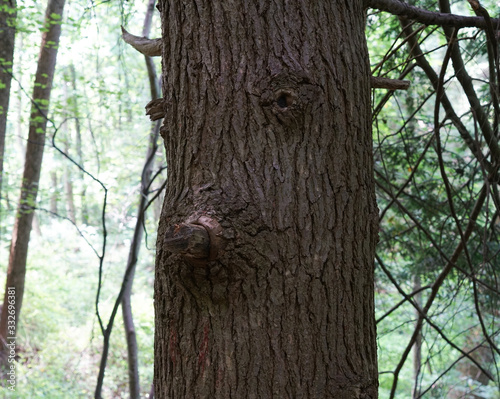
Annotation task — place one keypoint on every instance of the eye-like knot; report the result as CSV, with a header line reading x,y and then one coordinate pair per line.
x,y
285,98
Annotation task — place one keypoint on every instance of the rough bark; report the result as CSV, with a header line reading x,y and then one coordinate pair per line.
x,y
267,132
33,161
8,13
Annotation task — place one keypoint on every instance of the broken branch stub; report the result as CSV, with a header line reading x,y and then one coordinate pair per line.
x,y
197,242
390,84
189,240
155,109
149,47
214,230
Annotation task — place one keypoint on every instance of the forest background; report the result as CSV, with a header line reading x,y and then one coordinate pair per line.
x,y
86,209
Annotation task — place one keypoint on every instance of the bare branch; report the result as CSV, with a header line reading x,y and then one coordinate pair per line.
x,y
403,301
424,315
150,47
397,7
467,85
422,62
391,84
439,282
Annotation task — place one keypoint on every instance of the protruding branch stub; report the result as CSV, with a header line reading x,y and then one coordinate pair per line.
x,y
390,84
198,241
150,47
214,230
155,109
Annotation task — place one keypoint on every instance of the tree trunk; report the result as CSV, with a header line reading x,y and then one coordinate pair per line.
x,y
268,140
20,133
55,191
8,13
34,153
78,143
68,186
65,131
135,245
417,348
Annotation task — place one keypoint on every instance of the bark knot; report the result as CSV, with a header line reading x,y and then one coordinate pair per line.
x,y
198,240
289,96
214,230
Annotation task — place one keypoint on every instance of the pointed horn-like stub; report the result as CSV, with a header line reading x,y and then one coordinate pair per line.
x,y
150,47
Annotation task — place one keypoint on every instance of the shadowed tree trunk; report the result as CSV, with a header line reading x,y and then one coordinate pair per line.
x,y
78,143
33,161
68,188
67,178
264,275
20,134
128,321
8,13
55,191
417,348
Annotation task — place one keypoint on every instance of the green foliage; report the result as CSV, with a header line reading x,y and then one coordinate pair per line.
x,y
418,232
102,85
60,342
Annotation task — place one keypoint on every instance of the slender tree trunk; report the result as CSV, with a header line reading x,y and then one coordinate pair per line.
x,y
411,130
68,188
54,194
20,133
417,348
68,184
128,320
70,203
78,143
33,161
264,275
157,205
8,13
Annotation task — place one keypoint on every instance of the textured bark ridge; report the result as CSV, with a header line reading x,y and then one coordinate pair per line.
x,y
267,132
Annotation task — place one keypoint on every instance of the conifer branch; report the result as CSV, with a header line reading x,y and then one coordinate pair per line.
x,y
402,9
